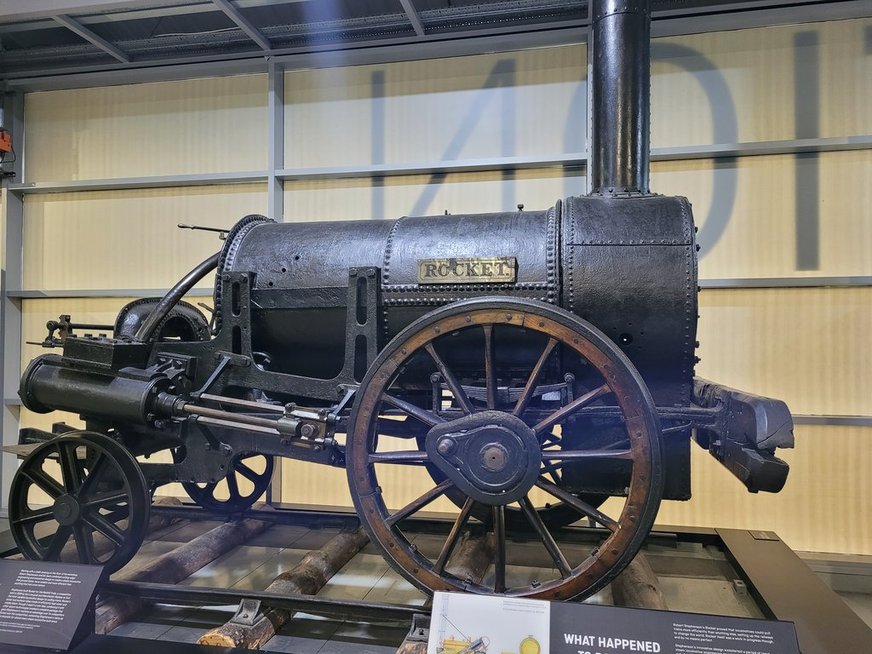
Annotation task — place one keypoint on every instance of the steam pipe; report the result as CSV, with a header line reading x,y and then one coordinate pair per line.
x,y
171,299
619,49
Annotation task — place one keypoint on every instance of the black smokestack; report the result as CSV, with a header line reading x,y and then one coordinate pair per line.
x,y
619,48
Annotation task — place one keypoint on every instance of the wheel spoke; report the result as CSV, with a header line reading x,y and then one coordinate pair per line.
x,y
552,472
551,439
62,535
527,393
246,472
105,499
453,536
579,455
404,428
94,475
546,537
84,542
427,417
117,515
69,466
43,482
490,370
570,408
403,456
453,385
107,528
578,504
35,517
499,548
232,485
417,504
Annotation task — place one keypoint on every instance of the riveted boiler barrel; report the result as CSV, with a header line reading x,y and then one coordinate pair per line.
x,y
625,264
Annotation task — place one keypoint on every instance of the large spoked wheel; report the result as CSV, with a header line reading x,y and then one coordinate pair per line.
x,y
495,455
247,479
81,490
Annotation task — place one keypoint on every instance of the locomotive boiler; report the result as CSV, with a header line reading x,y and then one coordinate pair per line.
x,y
535,368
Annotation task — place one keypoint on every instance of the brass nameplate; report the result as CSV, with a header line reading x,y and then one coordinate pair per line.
x,y
478,270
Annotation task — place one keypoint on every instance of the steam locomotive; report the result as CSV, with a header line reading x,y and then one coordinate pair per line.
x,y
535,368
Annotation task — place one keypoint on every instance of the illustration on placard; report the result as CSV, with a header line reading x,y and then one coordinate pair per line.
x,y
452,645
529,646
469,624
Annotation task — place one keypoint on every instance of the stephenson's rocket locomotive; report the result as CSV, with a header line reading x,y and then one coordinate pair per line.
x,y
532,368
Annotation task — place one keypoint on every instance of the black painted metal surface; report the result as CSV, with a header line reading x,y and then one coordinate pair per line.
x,y
620,32
787,589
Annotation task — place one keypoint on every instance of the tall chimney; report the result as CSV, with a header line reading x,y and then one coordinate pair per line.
x,y
619,48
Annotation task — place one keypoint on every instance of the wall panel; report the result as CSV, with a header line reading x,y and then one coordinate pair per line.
x,y
775,83
770,83
127,239
420,195
528,103
808,347
758,217
192,126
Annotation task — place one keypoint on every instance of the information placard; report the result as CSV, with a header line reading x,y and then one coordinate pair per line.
x,y
474,624
43,604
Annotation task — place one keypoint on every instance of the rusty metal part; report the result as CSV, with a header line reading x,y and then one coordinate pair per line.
x,y
617,383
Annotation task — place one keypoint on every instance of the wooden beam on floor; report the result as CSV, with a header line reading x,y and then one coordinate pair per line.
x,y
175,566
250,631
473,557
638,587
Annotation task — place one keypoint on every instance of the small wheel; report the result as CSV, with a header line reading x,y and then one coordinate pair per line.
x,y
248,478
80,486
492,456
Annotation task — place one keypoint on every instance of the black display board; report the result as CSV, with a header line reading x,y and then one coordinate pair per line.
x,y
46,605
586,629
472,623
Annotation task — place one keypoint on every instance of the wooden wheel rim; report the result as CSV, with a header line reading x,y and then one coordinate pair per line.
x,y
632,397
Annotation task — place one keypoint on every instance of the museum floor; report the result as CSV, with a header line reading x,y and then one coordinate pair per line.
x,y
367,577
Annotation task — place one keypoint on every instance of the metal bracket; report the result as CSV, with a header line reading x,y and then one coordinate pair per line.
x,y
361,322
248,613
420,631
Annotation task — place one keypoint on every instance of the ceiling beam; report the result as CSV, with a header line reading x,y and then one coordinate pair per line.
x,y
409,48
92,37
409,8
14,11
244,24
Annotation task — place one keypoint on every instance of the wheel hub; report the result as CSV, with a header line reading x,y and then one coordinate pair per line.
x,y
66,510
494,457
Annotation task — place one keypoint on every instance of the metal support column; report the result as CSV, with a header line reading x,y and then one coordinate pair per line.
x,y
276,201
276,137
11,279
